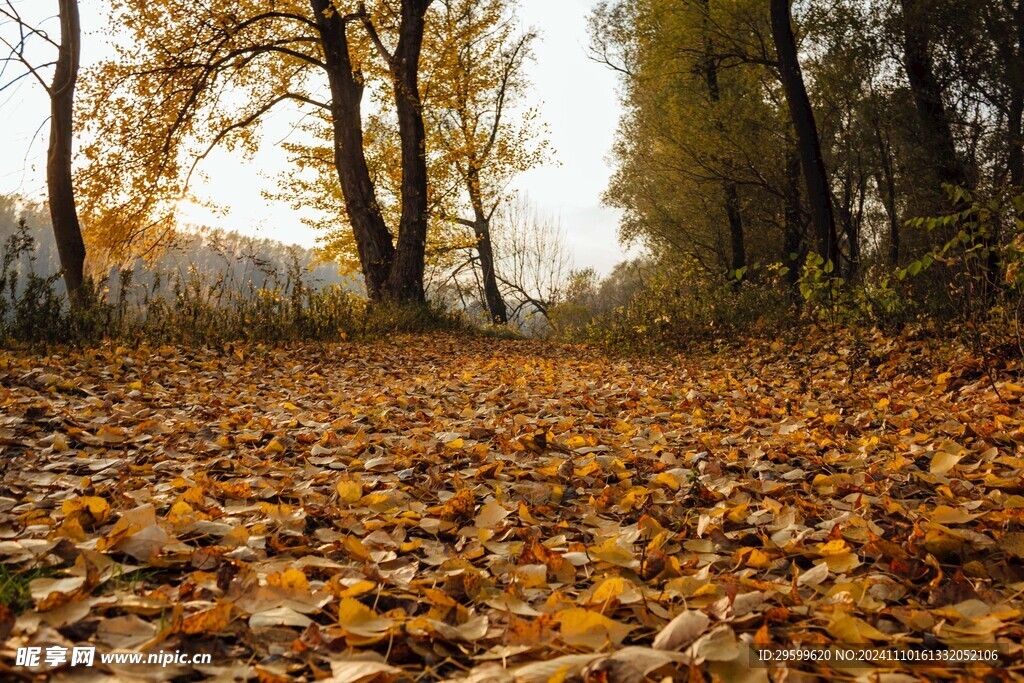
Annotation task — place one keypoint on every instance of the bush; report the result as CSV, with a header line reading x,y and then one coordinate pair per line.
x,y
979,263
675,306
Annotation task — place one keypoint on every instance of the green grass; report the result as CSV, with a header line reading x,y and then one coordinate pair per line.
x,y
132,580
14,591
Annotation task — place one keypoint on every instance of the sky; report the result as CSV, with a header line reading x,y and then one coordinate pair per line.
x,y
577,97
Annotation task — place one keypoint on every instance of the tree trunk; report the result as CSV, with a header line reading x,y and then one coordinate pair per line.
x,y
935,126
732,202
885,178
63,215
373,240
819,197
1015,157
405,284
736,241
496,308
793,242
1015,160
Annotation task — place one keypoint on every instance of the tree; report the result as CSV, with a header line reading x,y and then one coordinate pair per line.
x,y
819,194
480,134
61,91
732,202
699,153
535,261
158,109
924,84
477,83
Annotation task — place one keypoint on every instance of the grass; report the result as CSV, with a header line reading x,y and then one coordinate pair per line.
x,y
14,586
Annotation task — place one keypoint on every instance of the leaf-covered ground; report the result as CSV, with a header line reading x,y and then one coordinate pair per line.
x,y
453,509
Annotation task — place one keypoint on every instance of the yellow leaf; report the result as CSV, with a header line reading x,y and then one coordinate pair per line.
x,y
455,444
944,514
821,481
96,508
739,513
180,513
60,442
208,621
490,515
574,442
836,547
356,548
349,492
610,551
944,461
754,558
193,495
608,590
942,544
459,506
358,589
72,528
291,581
847,629
275,446
590,630
108,434
238,536
357,618
667,480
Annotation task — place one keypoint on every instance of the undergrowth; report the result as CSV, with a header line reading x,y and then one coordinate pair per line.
x,y
192,307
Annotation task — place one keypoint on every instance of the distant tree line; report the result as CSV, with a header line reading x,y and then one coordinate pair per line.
x,y
203,253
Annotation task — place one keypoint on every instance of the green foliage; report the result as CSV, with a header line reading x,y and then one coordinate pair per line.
x,y
978,259
676,306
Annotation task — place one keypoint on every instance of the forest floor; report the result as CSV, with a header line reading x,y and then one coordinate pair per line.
x,y
444,508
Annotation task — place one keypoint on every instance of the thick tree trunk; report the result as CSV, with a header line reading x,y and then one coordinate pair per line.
x,y
405,284
819,197
927,92
63,215
373,240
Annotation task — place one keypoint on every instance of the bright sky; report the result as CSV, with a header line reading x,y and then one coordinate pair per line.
x,y
577,97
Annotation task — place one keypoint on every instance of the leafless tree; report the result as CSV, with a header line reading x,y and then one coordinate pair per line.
x,y
535,261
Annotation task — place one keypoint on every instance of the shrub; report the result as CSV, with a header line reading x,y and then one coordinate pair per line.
x,y
676,306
